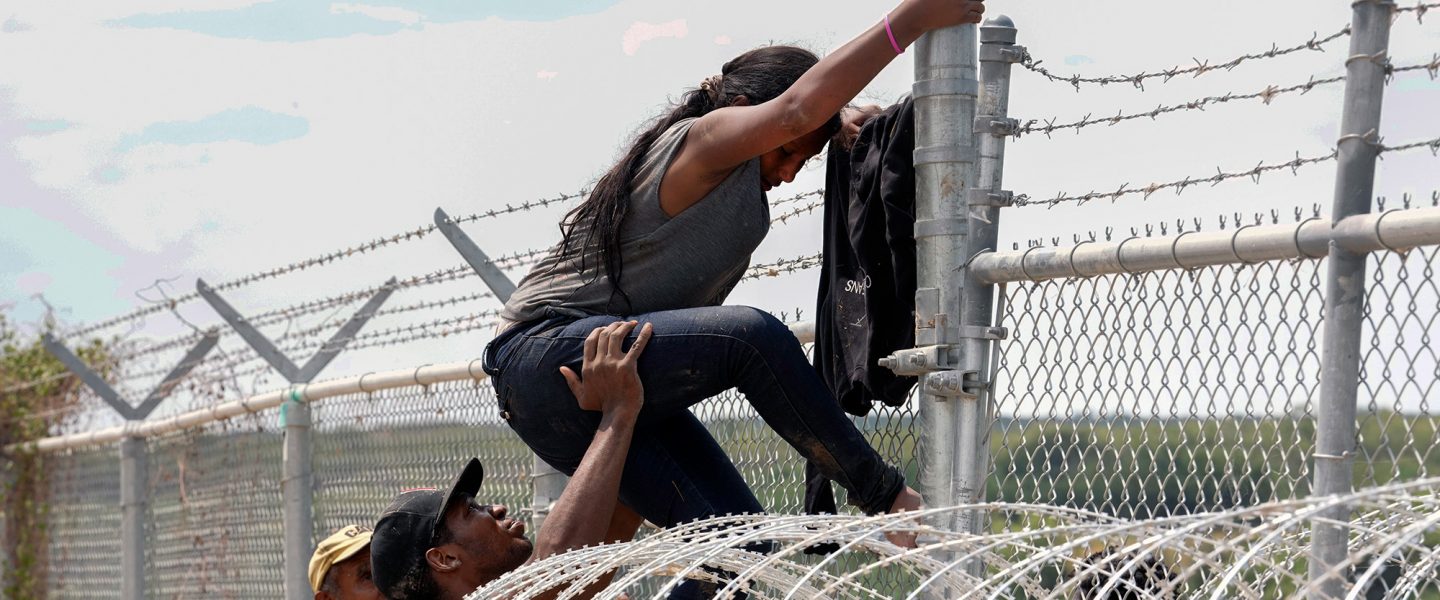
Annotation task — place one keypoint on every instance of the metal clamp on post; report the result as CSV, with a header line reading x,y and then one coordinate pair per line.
x,y
913,362
996,126
925,228
1000,199
945,87
980,332
1005,54
295,397
940,155
965,385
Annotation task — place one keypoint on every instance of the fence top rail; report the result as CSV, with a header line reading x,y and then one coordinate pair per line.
x,y
1308,239
313,392
424,375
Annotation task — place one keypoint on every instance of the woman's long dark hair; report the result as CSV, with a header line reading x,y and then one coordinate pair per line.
x,y
593,228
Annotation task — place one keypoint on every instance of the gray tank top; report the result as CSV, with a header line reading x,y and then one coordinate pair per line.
x,y
690,260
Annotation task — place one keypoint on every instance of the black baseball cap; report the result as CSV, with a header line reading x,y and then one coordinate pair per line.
x,y
406,531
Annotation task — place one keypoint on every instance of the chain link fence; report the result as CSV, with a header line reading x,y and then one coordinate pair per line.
x,y
1134,400
368,447
1138,396
1161,393
1400,369
1175,392
215,513
84,518
214,523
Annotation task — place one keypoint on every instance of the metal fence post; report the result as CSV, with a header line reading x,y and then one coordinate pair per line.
x,y
134,504
945,90
297,488
547,483
1345,287
979,331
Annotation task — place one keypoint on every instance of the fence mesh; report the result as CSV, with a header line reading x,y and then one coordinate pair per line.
x,y
368,447
1161,393
1139,396
1400,369
84,557
215,525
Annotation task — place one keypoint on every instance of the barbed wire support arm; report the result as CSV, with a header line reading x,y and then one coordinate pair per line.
x,y
1345,289
493,277
272,354
547,482
97,384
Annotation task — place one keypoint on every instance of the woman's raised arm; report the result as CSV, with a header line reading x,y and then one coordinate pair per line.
x,y
727,137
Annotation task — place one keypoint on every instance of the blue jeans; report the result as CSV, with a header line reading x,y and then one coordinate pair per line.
x,y
675,471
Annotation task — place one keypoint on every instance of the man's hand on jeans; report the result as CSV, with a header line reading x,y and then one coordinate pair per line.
x,y
609,381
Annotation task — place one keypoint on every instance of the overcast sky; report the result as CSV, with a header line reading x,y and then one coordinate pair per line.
x,y
165,140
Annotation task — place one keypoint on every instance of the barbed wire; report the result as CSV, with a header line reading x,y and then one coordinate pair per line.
x,y
779,267
323,259
1419,9
1220,176
226,367
296,347
518,259
1432,144
802,210
1222,222
321,328
435,328
1200,67
274,316
355,250
1047,552
798,197
1266,96
1432,67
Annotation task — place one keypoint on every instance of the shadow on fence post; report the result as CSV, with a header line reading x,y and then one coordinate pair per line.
x,y
1345,286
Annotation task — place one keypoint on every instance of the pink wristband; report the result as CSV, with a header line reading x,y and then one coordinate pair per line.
x,y
893,44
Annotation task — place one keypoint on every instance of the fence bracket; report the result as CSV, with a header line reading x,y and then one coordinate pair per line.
x,y
984,332
493,277
1000,199
1004,54
272,354
912,362
996,126
108,394
960,385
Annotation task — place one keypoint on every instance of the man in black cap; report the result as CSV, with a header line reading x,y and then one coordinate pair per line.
x,y
442,544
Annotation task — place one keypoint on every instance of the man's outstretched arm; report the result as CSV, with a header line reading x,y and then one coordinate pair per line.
x,y
609,383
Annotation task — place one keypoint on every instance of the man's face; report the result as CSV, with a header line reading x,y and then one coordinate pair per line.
x,y
352,576
491,542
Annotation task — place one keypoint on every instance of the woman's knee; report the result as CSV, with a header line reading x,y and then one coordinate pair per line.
x,y
756,326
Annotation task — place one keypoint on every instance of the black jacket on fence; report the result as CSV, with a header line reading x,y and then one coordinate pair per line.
x,y
866,303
